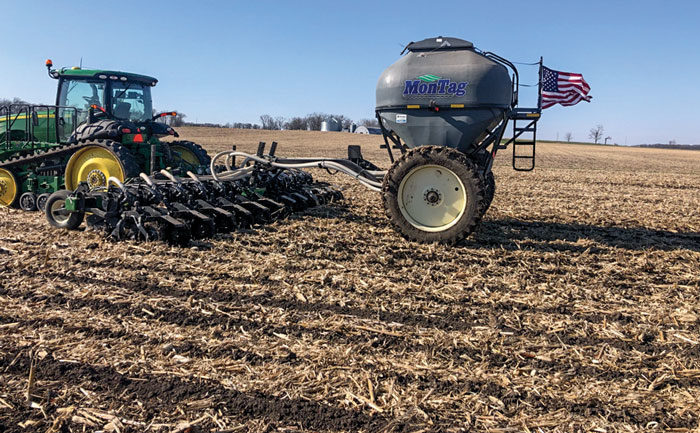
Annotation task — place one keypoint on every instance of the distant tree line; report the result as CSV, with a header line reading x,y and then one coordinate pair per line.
x,y
240,125
672,146
8,101
311,122
14,101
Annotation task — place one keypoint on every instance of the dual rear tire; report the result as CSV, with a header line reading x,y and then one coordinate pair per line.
x,y
436,194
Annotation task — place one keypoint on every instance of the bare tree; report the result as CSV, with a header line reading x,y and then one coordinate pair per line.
x,y
267,121
596,133
296,123
179,119
568,137
14,101
314,120
272,123
241,125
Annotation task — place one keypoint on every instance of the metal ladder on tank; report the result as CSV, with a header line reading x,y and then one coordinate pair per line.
x,y
524,138
525,132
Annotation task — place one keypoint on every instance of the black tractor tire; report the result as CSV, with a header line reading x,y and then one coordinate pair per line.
x,y
194,148
128,161
102,129
489,191
27,202
55,202
432,159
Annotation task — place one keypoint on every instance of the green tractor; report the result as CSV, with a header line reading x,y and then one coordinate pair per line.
x,y
102,126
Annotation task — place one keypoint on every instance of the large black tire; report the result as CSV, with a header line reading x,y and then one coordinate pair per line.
x,y
443,195
105,129
489,191
55,202
129,164
180,160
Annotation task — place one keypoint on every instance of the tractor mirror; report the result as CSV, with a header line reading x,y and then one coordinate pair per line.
x,y
166,113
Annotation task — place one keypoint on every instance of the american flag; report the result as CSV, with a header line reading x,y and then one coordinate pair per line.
x,y
563,88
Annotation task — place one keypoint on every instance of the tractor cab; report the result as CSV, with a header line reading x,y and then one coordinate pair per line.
x,y
87,95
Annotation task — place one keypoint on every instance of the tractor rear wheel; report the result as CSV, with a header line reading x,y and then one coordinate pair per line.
x,y
97,162
190,156
434,194
56,214
8,188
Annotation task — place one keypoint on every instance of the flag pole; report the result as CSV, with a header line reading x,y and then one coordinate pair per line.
x,y
539,94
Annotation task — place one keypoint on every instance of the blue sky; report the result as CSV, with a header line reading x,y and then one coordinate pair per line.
x,y
227,61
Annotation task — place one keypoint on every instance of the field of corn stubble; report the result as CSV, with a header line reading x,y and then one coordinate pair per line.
x,y
575,307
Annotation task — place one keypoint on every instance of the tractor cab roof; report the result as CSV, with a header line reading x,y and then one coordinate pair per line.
x,y
104,75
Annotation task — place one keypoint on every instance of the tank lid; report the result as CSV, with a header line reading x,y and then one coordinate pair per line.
x,y
439,43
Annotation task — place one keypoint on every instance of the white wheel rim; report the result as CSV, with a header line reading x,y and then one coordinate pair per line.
x,y
432,198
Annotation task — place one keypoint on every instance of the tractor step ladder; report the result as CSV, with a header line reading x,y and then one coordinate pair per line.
x,y
524,138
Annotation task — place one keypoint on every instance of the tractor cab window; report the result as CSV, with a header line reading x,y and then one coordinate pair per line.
x,y
80,94
131,101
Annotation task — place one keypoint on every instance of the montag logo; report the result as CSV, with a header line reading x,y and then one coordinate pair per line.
x,y
432,85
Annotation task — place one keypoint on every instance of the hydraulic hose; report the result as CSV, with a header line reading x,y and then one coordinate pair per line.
x,y
193,176
117,182
369,183
169,175
147,179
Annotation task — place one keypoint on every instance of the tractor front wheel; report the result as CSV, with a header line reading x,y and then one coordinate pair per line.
x,y
189,156
434,194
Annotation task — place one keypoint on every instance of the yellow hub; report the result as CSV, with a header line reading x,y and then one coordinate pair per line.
x,y
432,198
8,188
94,165
186,155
